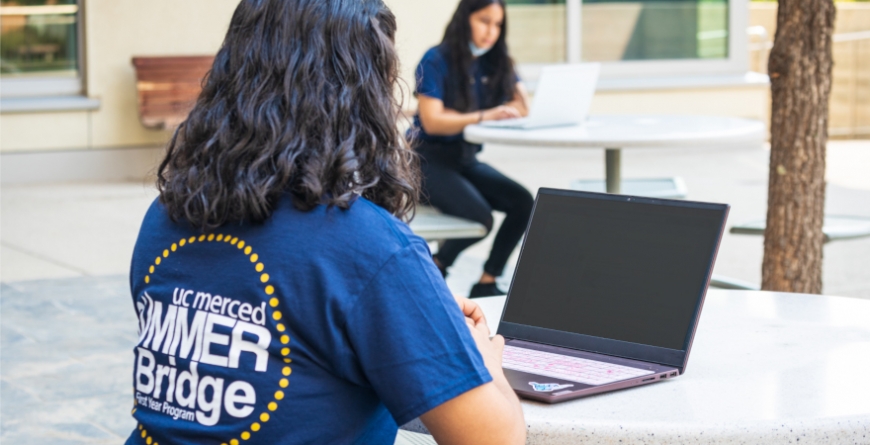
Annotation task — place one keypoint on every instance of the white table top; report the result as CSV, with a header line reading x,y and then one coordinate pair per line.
x,y
629,132
765,368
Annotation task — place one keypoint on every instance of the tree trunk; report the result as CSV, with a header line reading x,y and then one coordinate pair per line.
x,y
800,76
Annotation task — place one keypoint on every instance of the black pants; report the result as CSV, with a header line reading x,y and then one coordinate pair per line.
x,y
457,184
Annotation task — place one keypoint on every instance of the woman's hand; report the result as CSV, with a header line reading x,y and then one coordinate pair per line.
x,y
488,414
472,311
441,121
501,112
490,349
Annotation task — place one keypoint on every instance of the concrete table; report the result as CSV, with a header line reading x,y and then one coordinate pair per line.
x,y
617,132
770,368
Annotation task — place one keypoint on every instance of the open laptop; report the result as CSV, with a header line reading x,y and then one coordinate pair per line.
x,y
562,98
607,292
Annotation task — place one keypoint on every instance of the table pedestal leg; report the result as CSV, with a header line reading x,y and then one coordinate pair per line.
x,y
613,175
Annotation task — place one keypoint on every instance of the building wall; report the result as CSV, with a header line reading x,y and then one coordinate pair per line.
x,y
26,132
420,26
750,102
117,30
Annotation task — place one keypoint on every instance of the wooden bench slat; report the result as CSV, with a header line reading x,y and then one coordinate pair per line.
x,y
150,61
168,110
195,78
168,87
175,90
186,72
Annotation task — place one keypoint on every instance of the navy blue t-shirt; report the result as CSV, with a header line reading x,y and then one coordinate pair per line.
x,y
327,326
433,79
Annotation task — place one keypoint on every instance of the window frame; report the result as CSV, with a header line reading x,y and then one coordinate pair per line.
x,y
48,86
736,64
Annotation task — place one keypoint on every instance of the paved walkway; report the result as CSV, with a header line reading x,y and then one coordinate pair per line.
x,y
67,327
66,364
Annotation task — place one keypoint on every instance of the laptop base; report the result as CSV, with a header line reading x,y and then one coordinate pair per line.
x,y
553,390
523,123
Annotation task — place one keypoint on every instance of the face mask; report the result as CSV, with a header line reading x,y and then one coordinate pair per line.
x,y
477,52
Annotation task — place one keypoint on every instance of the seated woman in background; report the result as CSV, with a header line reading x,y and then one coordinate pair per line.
x,y
467,79
281,299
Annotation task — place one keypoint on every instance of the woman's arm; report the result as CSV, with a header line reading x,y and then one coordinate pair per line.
x,y
488,414
439,120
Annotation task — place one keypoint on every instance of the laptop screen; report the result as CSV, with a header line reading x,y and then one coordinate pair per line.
x,y
616,269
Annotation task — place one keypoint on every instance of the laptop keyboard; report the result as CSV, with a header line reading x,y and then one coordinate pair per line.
x,y
565,367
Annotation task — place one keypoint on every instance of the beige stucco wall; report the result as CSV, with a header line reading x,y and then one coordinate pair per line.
x,y
420,26
117,30
120,29
749,102
44,131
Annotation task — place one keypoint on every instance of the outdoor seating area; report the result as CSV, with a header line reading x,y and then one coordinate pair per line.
x,y
56,400
623,246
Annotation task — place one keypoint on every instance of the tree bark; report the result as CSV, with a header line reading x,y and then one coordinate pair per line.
x,y
800,76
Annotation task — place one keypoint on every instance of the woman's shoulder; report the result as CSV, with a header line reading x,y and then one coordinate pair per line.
x,y
379,223
435,56
371,227
364,228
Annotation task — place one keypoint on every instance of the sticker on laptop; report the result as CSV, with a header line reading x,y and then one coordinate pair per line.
x,y
548,387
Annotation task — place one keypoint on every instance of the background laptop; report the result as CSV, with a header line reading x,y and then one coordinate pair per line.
x,y
562,97
607,292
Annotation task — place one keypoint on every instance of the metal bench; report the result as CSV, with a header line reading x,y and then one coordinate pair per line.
x,y
432,225
836,228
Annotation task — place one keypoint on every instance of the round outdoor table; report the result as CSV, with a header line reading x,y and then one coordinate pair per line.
x,y
617,132
771,368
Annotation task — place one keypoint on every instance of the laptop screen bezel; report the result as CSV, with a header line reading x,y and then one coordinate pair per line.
x,y
618,348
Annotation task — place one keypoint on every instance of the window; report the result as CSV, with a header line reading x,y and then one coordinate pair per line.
x,y
632,38
537,31
39,48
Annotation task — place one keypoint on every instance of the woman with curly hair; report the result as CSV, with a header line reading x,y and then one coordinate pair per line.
x,y
281,298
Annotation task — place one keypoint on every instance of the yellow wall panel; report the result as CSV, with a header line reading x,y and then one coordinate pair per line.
x,y
21,132
420,26
749,102
117,30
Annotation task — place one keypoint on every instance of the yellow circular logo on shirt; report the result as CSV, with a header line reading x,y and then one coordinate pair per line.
x,y
174,334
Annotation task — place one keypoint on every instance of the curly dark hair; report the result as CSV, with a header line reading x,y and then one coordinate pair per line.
x,y
502,75
300,100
